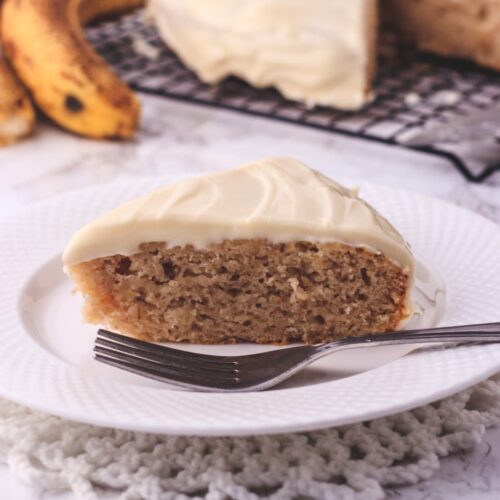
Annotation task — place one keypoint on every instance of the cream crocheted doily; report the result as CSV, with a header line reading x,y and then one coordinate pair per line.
x,y
353,462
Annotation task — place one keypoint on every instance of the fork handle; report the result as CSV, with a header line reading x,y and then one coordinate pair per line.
x,y
487,332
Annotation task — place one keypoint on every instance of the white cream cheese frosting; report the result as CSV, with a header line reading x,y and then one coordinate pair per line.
x,y
279,199
315,51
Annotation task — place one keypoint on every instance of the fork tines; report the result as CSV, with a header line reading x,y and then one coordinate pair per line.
x,y
164,363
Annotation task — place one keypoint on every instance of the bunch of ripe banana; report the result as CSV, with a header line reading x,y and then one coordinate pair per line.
x,y
46,59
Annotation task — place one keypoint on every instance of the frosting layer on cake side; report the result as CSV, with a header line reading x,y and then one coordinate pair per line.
x,y
315,51
278,199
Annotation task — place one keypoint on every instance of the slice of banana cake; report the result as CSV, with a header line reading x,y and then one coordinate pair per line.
x,y
270,252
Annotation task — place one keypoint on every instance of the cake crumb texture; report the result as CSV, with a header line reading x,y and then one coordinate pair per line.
x,y
244,291
468,29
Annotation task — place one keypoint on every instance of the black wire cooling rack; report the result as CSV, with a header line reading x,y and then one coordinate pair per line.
x,y
413,92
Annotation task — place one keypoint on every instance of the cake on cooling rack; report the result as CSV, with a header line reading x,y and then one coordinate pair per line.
x,y
316,51
321,52
269,252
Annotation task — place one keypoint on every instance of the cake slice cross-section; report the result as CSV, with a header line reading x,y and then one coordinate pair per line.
x,y
270,252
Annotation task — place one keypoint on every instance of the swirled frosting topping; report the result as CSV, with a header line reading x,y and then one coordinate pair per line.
x,y
278,199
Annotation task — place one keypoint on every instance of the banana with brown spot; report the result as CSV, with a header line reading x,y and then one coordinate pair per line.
x,y
45,43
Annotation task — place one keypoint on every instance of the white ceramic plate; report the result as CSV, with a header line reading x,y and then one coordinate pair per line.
x,y
46,351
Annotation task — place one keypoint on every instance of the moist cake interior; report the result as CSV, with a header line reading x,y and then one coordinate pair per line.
x,y
244,290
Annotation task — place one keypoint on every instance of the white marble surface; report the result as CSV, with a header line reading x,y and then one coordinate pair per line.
x,y
187,139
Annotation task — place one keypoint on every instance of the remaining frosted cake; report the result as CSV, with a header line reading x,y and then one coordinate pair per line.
x,y
316,51
321,52
269,252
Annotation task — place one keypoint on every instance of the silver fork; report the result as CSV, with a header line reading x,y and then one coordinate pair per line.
x,y
255,372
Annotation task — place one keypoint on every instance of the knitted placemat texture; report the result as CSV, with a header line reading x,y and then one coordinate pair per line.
x,y
355,462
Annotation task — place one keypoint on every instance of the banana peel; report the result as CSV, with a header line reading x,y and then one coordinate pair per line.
x,y
17,115
99,10
45,43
